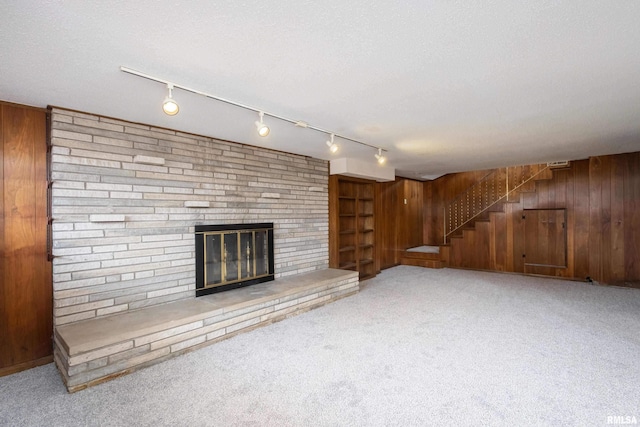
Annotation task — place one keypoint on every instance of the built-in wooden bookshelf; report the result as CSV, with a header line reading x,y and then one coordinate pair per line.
x,y
352,225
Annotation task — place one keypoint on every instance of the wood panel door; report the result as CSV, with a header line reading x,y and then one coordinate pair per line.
x,y
545,238
25,271
410,205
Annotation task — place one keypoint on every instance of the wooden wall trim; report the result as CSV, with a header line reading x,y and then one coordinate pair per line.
x,y
25,365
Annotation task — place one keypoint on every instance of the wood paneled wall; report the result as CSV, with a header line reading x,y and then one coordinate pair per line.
x,y
387,226
601,196
410,215
400,219
439,193
614,219
25,272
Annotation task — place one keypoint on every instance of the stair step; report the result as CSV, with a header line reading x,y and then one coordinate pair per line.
x,y
428,263
420,255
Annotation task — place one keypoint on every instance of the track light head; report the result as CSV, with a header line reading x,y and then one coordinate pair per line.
x,y
333,147
169,105
381,159
263,130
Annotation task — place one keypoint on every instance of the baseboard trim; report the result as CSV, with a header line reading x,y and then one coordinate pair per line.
x,y
25,365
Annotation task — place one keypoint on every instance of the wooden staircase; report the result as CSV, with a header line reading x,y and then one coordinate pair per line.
x,y
477,234
481,236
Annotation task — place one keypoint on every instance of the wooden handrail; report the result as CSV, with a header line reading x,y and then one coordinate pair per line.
x,y
486,193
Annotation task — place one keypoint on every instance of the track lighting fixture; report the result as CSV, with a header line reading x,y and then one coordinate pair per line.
x,y
333,147
169,105
263,130
381,159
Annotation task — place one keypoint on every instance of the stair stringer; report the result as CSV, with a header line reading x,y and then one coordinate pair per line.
x,y
487,243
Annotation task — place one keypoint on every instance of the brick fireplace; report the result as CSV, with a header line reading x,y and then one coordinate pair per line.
x,y
126,199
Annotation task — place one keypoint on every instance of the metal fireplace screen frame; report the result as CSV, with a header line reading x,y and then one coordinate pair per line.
x,y
233,255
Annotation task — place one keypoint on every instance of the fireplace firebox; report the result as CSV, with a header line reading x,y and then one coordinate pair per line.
x,y
233,255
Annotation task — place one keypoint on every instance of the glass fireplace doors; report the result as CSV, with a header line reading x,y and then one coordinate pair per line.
x,y
236,255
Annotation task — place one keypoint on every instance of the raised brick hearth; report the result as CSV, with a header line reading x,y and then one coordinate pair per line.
x,y
97,350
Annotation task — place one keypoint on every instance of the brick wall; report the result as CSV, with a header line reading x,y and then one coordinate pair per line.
x,y
126,198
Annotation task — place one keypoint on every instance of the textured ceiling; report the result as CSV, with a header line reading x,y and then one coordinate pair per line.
x,y
444,86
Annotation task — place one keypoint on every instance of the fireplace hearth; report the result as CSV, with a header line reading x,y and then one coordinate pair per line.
x,y
230,256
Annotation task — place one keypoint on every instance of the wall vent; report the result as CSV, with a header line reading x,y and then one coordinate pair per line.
x,y
558,164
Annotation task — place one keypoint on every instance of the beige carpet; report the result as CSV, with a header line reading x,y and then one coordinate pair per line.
x,y
415,347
